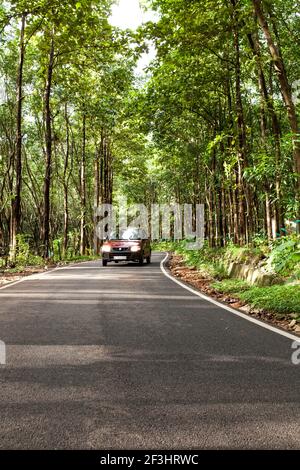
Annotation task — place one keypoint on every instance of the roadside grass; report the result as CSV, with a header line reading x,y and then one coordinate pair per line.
x,y
231,286
283,300
26,260
208,261
79,258
278,299
37,262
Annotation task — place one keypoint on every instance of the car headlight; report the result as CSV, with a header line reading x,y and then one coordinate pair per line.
x,y
135,248
106,249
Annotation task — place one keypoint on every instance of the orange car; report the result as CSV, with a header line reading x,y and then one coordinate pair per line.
x,y
132,245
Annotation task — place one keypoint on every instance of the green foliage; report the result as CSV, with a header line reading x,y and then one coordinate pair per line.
x,y
92,74
164,246
278,299
79,258
260,240
24,257
231,286
57,249
246,254
282,300
285,255
207,260
174,136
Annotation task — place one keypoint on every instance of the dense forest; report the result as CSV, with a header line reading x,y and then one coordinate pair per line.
x,y
215,120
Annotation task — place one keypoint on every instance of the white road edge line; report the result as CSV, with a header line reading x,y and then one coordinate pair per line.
x,y
225,307
24,278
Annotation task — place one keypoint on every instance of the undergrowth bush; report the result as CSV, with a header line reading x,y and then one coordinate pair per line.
x,y
284,257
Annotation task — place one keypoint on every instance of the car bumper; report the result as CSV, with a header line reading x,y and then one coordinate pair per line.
x,y
125,256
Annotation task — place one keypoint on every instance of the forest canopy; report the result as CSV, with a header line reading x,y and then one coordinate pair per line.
x,y
214,120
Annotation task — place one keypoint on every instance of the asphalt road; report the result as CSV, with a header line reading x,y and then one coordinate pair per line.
x,y
122,357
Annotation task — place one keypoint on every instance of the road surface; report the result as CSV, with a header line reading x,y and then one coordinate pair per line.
x,y
122,357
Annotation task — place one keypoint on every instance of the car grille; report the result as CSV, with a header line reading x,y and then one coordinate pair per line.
x,y
120,250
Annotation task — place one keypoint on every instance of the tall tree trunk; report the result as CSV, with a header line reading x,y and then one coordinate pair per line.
x,y
223,211
267,99
106,170
285,87
209,215
97,195
213,197
268,216
48,141
266,105
66,184
229,215
241,130
101,171
236,227
83,189
16,199
232,216
110,173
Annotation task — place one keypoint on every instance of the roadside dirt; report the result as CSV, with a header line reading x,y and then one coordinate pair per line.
x,y
7,277
196,279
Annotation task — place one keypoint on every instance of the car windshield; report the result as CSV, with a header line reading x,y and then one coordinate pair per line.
x,y
129,234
